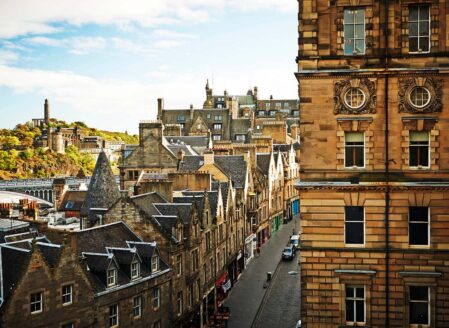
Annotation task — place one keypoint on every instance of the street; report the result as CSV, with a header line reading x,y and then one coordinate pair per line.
x,y
253,302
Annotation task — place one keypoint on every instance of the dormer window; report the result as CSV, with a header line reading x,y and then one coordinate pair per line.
x,y
154,263
135,269
112,277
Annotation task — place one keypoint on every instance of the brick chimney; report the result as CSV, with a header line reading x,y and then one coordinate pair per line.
x,y
208,157
160,108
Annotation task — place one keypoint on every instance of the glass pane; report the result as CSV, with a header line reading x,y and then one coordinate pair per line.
x,y
424,43
419,313
424,28
349,47
354,233
360,292
418,234
349,16
350,311
360,311
413,13
359,157
359,15
359,31
419,136
413,160
360,46
349,292
354,137
418,213
424,155
419,293
413,44
413,29
349,157
354,213
349,32
423,13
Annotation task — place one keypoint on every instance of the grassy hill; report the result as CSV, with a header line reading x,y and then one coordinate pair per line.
x,y
19,159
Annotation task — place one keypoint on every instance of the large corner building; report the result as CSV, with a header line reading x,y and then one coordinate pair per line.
x,y
374,122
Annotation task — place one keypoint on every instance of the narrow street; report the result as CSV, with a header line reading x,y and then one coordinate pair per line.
x,y
247,301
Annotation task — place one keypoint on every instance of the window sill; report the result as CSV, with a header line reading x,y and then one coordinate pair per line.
x,y
418,246
419,168
355,245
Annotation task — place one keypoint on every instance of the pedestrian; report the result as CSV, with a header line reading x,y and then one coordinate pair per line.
x,y
258,251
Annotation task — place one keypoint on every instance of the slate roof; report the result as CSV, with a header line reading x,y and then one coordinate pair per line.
x,y
166,223
103,190
224,186
191,163
183,211
263,162
197,198
193,141
211,195
235,167
145,202
13,265
73,200
51,253
174,149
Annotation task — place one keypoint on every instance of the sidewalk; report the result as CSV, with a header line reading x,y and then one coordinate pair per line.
x,y
246,296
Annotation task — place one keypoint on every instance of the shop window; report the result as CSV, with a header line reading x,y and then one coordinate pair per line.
x,y
355,305
418,225
354,31
419,305
419,149
354,225
419,28
354,150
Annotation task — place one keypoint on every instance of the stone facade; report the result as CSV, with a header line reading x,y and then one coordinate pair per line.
x,y
371,89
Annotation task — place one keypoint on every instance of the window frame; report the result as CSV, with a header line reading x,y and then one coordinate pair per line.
x,y
355,167
179,303
354,299
156,297
363,222
216,137
179,264
421,223
40,302
113,318
419,5
217,126
415,167
155,263
114,276
65,294
137,306
353,24
429,305
136,269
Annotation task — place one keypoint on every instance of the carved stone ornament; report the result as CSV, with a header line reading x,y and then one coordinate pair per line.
x,y
433,94
355,96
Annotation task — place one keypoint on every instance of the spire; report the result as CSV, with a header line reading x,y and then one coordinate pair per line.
x,y
103,190
46,112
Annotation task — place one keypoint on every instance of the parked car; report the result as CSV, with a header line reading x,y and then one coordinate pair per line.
x,y
294,240
288,253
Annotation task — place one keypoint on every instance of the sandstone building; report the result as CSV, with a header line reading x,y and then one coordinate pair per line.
x,y
374,92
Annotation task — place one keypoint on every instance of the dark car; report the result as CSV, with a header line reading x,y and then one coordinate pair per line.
x,y
288,253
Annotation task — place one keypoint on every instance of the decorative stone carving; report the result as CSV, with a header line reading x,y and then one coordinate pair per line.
x,y
368,101
433,86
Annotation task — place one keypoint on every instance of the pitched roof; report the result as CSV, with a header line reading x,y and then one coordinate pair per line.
x,y
51,252
235,167
224,186
145,202
191,163
103,190
13,265
263,162
183,211
73,200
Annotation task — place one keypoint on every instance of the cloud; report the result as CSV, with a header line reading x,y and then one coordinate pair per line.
x,y
42,40
7,56
24,17
162,33
76,45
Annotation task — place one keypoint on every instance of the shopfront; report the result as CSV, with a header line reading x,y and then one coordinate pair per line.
x,y
276,222
250,247
295,208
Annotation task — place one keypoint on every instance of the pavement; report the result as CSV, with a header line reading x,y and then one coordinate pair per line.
x,y
246,299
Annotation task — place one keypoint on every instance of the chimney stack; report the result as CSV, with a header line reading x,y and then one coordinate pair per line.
x,y
160,108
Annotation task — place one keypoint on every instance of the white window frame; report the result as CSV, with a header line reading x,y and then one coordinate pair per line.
x,y
113,319
69,294
111,280
428,153
420,222
364,230
179,303
354,39
364,153
137,306
179,264
135,269
429,308
39,301
216,137
418,22
155,263
156,297
217,126
354,299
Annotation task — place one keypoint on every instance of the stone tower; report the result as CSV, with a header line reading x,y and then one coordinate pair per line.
x,y
47,112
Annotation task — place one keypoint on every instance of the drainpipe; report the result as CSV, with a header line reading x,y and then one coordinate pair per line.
x,y
387,177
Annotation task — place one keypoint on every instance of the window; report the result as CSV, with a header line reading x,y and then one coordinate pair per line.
x,y
180,118
295,113
157,324
216,137
179,303
113,316
286,105
195,260
260,113
418,225
67,291
135,269
191,295
154,263
217,126
267,106
156,297
220,232
355,304
240,137
354,31
208,116
212,271
277,105
217,118
36,303
420,97
354,149
69,204
354,98
419,28
112,277
68,325
272,113
419,305
419,149
137,306
179,264
354,225
208,246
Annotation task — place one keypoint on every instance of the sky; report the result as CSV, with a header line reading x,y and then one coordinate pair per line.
x,y
105,62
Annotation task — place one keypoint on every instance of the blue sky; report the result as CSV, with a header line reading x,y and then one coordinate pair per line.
x,y
105,62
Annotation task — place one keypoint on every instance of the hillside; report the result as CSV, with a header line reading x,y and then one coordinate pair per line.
x,y
20,159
